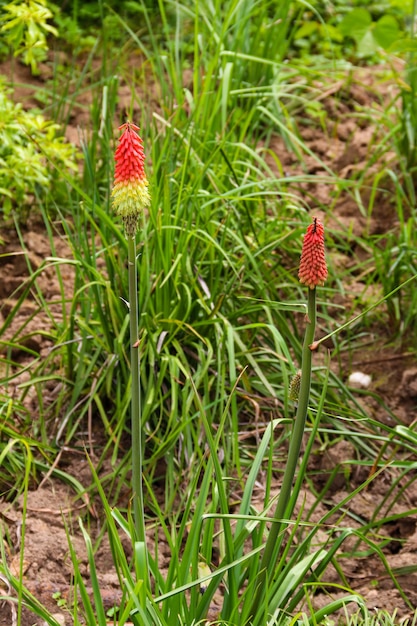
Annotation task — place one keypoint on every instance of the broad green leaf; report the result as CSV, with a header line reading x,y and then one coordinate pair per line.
x,y
386,31
356,24
367,46
403,45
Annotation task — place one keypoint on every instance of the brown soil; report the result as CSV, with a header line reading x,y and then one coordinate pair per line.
x,y
344,146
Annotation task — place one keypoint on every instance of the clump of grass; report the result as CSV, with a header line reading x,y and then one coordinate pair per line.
x,y
219,331
379,618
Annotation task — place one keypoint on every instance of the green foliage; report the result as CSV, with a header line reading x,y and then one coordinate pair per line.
x,y
370,35
407,137
360,30
220,313
30,152
377,617
207,523
81,23
15,446
26,27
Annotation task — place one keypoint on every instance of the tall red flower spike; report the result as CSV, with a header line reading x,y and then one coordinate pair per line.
x,y
130,192
313,268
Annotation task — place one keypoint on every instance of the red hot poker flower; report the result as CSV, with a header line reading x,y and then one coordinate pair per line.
x,y
130,192
313,268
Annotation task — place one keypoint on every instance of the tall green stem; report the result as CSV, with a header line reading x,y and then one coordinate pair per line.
x,y
137,450
276,535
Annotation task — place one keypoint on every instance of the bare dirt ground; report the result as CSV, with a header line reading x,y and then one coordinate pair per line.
x,y
344,146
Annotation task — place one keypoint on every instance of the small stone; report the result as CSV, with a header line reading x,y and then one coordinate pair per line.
x,y
359,380
409,383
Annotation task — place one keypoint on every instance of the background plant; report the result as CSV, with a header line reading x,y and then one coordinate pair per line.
x,y
29,145
26,27
353,30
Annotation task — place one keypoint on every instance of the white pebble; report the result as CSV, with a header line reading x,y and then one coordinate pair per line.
x,y
360,380
58,617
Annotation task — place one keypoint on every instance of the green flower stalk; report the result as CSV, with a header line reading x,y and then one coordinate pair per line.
x,y
130,196
312,272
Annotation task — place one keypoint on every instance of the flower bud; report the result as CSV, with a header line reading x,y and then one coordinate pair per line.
x,y
295,384
313,268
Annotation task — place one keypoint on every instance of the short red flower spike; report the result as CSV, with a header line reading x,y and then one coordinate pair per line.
x,y
313,268
130,192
